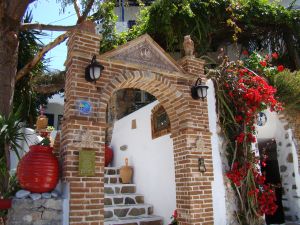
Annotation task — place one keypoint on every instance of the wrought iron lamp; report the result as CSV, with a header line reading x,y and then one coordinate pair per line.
x,y
93,70
199,90
201,165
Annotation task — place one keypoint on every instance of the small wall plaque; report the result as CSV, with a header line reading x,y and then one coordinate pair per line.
x,y
86,163
84,107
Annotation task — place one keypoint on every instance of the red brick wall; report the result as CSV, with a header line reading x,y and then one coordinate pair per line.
x,y
188,118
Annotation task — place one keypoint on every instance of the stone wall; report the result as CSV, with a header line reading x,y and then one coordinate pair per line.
x,y
35,212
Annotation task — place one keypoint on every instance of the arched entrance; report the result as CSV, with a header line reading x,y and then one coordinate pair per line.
x,y
140,64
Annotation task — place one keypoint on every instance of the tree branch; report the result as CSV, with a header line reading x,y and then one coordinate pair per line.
x,y
26,69
39,26
49,89
86,11
76,7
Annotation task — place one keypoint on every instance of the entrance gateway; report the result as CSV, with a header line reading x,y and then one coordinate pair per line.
x,y
144,65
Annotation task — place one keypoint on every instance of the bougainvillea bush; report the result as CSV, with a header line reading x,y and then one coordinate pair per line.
x,y
242,93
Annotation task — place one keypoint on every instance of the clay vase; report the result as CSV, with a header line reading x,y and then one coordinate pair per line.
x,y
108,155
38,170
42,122
126,173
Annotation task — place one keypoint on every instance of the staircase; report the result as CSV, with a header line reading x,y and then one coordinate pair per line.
x,y
122,205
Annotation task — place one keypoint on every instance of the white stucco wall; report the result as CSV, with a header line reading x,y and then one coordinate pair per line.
x,y
218,188
55,106
152,160
287,160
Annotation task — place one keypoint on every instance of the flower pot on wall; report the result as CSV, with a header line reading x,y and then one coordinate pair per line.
x,y
108,155
5,204
38,170
126,173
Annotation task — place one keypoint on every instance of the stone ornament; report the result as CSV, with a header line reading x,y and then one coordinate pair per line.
x,y
200,144
85,139
188,46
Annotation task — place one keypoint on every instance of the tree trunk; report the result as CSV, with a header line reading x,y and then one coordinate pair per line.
x,y
8,66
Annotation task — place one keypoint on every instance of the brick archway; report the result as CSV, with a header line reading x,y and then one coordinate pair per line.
x,y
170,83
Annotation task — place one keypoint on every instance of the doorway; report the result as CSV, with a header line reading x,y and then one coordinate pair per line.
x,y
268,148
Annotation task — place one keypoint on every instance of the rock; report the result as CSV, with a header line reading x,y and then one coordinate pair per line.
x,y
53,204
35,196
46,195
22,194
55,194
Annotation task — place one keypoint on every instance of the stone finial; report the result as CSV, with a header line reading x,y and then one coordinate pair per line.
x,y
188,46
88,26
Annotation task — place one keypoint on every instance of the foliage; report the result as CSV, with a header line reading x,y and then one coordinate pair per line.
x,y
10,136
244,88
287,83
256,24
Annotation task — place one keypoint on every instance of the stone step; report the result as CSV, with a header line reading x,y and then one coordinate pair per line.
x,y
147,220
112,179
119,188
124,199
111,171
127,211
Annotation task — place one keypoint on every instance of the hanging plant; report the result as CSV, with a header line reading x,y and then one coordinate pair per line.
x,y
242,93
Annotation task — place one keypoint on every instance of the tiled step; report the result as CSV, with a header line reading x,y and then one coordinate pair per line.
x,y
123,199
148,220
111,171
128,211
112,179
119,188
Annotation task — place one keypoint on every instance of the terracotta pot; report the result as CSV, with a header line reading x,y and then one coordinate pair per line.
x,y
108,155
126,173
41,122
5,203
38,170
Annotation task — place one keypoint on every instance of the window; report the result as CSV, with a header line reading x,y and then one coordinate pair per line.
x,y
160,122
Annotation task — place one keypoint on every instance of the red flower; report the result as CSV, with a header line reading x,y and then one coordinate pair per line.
x,y
175,214
240,138
263,63
245,52
275,55
238,118
280,68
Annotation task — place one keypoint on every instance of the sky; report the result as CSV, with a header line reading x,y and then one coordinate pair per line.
x,y
48,12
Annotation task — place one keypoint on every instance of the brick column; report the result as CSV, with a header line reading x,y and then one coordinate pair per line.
x,y
193,66
86,193
194,188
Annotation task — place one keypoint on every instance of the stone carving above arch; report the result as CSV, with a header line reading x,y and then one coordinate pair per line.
x,y
145,53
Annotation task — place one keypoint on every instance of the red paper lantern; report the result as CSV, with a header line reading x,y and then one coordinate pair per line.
x,y
108,155
38,170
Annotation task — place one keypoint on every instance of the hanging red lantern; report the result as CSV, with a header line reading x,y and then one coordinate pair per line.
x,y
38,170
108,155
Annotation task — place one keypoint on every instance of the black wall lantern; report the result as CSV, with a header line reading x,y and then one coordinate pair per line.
x,y
199,90
201,165
93,70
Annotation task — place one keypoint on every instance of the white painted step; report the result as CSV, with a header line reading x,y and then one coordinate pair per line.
x,y
141,220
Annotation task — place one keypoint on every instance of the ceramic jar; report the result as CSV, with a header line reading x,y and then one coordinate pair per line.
x,y
38,170
126,173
